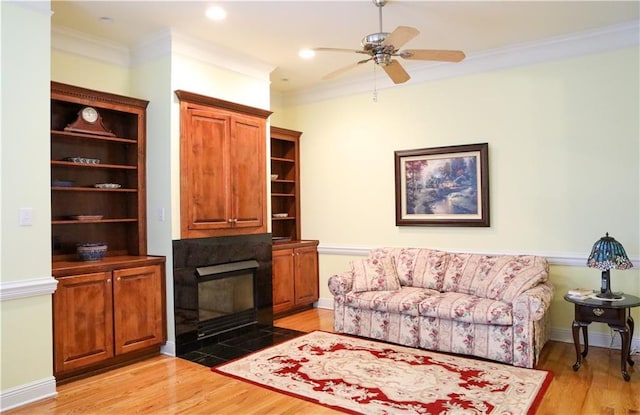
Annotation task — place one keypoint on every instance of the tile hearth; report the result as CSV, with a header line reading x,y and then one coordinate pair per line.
x,y
238,345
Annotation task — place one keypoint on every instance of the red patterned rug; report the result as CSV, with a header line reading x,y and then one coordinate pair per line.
x,y
362,376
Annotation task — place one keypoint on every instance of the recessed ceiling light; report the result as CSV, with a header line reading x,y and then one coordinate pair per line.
x,y
216,13
306,53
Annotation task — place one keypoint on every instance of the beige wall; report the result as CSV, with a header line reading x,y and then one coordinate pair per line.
x,y
564,156
72,69
25,251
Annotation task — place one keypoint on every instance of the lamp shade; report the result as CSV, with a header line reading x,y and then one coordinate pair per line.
x,y
607,253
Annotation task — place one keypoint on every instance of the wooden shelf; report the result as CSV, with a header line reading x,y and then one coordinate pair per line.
x,y
92,165
83,136
122,161
285,190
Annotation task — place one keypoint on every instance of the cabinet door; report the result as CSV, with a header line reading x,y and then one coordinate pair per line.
x,y
205,171
283,290
306,275
83,321
248,166
137,308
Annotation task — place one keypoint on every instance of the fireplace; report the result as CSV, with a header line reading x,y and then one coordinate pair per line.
x,y
221,285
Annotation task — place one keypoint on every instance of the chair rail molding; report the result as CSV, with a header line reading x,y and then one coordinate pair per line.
x,y
11,290
563,259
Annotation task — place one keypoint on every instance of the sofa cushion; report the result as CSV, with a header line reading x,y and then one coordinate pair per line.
x,y
466,308
501,277
404,301
374,274
429,269
416,267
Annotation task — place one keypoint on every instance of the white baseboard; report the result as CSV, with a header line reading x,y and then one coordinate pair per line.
x,y
169,349
608,341
27,393
325,303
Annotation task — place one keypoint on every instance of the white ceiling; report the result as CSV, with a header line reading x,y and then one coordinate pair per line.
x,y
274,31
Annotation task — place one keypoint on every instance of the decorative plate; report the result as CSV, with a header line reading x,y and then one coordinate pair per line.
x,y
107,185
62,183
82,160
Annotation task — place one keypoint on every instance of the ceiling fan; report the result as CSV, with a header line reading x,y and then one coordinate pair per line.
x,y
382,47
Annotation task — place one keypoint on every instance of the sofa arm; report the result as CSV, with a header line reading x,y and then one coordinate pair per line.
x,y
533,304
340,284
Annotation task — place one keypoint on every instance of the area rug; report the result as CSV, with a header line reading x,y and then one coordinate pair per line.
x,y
361,376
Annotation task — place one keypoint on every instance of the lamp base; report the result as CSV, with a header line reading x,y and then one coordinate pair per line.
x,y
605,288
609,296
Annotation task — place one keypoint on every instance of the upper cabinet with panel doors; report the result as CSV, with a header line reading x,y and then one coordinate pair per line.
x,y
222,167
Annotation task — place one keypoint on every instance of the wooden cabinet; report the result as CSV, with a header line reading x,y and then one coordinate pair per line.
x,y
83,321
295,276
285,188
108,315
222,167
295,262
105,312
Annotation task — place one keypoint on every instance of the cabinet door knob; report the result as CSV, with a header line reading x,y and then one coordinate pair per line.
x,y
598,312
108,280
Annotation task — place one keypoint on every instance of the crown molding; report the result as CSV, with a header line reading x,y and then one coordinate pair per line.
x,y
163,43
605,39
169,42
42,7
71,41
220,56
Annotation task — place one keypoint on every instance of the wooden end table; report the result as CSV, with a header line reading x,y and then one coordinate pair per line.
x,y
617,314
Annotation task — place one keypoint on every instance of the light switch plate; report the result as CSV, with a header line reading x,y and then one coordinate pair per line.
x,y
26,217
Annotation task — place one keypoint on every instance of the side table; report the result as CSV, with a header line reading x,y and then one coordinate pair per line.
x,y
617,314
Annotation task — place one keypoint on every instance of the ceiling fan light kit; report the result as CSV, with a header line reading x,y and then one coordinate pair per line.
x,y
382,47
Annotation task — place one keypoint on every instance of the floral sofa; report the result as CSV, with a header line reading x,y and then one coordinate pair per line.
x,y
493,307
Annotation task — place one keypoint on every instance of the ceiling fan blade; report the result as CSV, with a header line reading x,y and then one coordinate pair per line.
x,y
432,55
400,36
396,72
340,71
339,50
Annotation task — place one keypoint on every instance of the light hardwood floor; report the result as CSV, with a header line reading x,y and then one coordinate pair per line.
x,y
166,385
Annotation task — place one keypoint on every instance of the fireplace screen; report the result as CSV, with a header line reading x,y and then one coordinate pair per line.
x,y
226,297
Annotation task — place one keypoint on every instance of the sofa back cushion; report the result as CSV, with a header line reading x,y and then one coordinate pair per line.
x,y
416,267
500,277
429,269
374,274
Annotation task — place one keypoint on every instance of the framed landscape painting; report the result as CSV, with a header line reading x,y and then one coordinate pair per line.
x,y
443,186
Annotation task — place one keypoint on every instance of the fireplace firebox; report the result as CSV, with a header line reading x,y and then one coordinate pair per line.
x,y
226,297
221,285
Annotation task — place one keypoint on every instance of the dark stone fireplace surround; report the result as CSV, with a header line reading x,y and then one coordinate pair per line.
x,y
191,253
